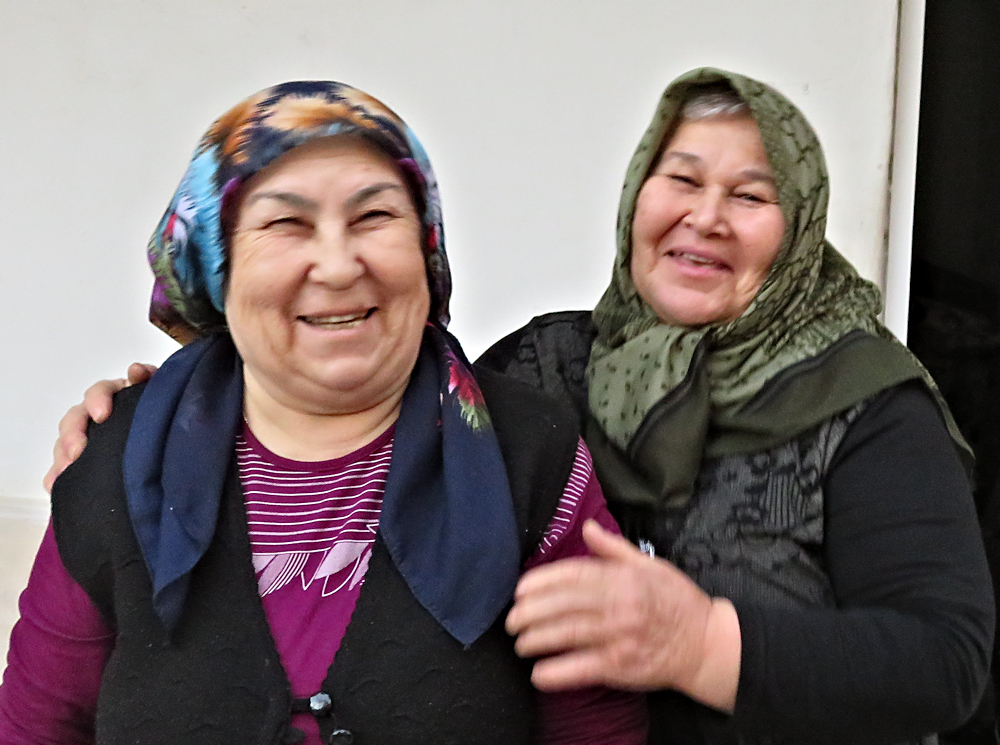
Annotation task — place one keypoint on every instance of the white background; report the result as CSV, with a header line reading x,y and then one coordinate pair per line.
x,y
529,110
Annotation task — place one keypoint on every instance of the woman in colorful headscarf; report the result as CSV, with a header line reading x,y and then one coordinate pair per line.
x,y
307,526
818,572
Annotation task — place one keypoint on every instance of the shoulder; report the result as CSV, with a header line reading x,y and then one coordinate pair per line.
x,y
900,444
550,353
530,425
538,438
105,445
571,329
89,507
514,402
101,459
905,415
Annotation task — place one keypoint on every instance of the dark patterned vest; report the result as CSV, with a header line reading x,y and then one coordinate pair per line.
x,y
398,677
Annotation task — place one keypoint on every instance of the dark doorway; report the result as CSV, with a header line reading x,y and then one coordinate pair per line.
x,y
954,325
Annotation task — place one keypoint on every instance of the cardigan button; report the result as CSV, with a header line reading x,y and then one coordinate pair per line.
x,y
340,737
320,704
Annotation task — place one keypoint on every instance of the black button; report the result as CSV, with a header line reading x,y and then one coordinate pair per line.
x,y
340,737
320,704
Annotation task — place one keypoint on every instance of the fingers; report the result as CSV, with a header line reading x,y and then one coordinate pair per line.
x,y
558,574
575,669
609,545
97,401
560,634
570,585
97,404
50,478
71,442
72,435
140,372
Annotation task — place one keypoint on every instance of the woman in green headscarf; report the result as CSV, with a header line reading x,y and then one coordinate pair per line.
x,y
817,572
755,425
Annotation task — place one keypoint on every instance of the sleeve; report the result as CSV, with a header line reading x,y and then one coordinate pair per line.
x,y
57,653
906,651
595,714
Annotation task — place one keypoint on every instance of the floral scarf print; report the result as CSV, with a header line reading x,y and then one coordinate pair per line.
x,y
447,517
809,345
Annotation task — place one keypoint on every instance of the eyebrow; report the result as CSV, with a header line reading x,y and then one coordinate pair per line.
x,y
301,202
753,174
363,195
750,174
288,197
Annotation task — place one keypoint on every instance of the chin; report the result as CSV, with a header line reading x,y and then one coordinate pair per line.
x,y
695,313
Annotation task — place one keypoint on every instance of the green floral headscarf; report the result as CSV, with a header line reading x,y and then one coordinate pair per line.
x,y
809,345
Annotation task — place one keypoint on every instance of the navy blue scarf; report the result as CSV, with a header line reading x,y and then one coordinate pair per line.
x,y
447,516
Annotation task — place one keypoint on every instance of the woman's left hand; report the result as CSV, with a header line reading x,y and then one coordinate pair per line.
x,y
625,620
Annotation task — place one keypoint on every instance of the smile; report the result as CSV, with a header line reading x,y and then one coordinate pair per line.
x,y
338,322
698,260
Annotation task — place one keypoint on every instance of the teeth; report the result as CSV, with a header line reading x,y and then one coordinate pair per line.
x,y
350,321
694,258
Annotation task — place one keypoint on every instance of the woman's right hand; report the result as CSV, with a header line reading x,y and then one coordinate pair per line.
x,y
97,406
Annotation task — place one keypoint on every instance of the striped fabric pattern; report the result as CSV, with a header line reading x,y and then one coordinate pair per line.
x,y
569,503
316,522
311,522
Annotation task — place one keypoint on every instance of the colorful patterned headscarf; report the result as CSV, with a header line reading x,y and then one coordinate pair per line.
x,y
447,516
188,252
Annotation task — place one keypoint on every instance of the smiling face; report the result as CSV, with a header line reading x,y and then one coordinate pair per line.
x,y
707,224
327,296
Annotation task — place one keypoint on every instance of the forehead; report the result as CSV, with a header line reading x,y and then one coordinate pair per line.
x,y
718,141
328,162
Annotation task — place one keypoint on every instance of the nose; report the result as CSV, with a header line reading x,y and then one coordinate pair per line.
x,y
335,260
706,215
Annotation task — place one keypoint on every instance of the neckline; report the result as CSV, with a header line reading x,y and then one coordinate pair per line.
x,y
314,466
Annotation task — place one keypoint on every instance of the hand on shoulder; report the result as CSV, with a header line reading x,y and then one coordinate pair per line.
x,y
96,405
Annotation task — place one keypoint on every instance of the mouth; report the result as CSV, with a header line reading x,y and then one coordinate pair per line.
x,y
698,260
339,322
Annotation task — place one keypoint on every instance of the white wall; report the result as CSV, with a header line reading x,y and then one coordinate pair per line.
x,y
529,110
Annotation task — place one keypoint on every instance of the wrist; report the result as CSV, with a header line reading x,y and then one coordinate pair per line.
x,y
717,677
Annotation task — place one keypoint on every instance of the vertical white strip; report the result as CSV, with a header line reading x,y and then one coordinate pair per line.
x,y
902,177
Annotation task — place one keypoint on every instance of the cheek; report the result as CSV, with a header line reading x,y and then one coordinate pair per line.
x,y
763,242
258,282
399,264
652,213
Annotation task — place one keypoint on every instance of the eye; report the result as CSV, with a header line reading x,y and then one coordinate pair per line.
x,y
684,179
376,214
282,222
374,217
753,198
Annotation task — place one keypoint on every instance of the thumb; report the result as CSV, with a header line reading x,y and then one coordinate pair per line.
x,y
607,545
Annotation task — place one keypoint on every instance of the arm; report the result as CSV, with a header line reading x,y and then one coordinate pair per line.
x,y
907,651
595,713
905,654
57,653
97,406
